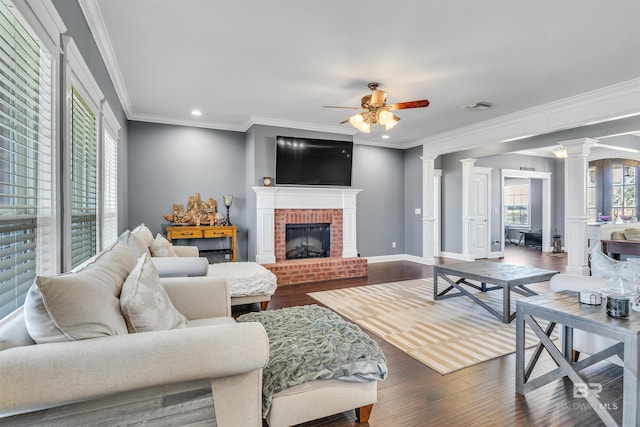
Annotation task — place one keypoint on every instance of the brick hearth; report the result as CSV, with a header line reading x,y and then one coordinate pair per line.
x,y
313,269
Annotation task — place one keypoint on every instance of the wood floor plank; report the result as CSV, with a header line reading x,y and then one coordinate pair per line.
x,y
412,396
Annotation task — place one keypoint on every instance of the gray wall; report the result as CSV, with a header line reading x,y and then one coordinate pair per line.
x,y
170,163
379,172
78,29
413,200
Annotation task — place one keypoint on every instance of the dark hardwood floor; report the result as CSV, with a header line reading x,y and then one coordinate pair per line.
x,y
412,395
481,395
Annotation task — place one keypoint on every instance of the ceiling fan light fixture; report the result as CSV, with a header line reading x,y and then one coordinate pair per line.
x,y
356,120
391,123
364,127
384,116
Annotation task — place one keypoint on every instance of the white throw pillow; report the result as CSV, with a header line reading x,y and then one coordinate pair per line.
x,y
82,304
144,302
143,232
601,264
162,247
135,243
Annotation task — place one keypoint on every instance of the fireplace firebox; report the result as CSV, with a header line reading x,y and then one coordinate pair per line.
x,y
307,241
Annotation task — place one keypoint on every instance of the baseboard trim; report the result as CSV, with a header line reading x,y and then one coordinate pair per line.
x,y
398,257
454,255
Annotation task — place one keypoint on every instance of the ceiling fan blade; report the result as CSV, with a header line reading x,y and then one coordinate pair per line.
x,y
409,104
348,108
378,97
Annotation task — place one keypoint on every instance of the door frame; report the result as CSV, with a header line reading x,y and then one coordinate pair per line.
x,y
546,202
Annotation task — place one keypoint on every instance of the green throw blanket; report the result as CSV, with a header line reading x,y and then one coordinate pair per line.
x,y
309,343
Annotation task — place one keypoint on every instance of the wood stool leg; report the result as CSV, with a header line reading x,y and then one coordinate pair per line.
x,y
264,305
363,413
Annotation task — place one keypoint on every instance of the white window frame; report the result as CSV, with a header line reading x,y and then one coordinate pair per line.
x,y
77,75
108,214
42,21
513,182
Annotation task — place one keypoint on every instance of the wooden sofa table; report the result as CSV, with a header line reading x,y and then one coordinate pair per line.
x,y
206,232
505,277
563,308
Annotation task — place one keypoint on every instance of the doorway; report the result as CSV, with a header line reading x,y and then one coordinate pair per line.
x,y
541,216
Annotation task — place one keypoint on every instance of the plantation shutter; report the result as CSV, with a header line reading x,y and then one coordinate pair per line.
x,y
84,157
110,197
27,224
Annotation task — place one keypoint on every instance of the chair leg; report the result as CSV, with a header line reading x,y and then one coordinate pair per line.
x,y
264,305
363,413
575,355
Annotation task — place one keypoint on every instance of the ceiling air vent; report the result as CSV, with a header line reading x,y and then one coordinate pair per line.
x,y
479,105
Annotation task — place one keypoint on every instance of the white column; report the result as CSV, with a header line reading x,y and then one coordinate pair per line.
x,y
575,204
265,215
349,246
467,215
428,208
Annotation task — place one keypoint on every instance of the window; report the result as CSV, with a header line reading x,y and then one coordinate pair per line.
x,y
516,201
110,194
623,195
592,205
27,172
84,156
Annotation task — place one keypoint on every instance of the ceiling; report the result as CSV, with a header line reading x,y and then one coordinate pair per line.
x,y
244,62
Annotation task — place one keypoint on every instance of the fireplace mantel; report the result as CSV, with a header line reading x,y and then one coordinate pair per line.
x,y
268,199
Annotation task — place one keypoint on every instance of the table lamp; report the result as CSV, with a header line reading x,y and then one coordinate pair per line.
x,y
227,203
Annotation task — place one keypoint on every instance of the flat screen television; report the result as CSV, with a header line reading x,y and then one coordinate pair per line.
x,y
306,161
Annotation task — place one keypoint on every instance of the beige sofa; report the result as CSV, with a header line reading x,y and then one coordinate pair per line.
x,y
248,282
37,376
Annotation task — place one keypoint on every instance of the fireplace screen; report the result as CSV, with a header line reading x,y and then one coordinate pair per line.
x,y
308,240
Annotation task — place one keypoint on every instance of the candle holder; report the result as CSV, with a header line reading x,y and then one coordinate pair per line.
x,y
227,203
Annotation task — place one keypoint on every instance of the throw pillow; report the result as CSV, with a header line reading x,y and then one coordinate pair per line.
x,y
632,234
81,304
162,247
144,302
135,243
144,233
601,264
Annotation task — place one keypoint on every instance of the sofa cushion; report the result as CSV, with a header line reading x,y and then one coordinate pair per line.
x,y
82,304
136,243
632,234
162,247
144,302
143,232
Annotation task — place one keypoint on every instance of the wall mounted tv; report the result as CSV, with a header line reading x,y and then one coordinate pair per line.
x,y
306,161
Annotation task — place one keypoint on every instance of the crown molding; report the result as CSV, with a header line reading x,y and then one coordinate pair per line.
x,y
241,127
592,107
94,19
266,121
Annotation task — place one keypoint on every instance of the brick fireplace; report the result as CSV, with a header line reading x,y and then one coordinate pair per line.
x,y
279,206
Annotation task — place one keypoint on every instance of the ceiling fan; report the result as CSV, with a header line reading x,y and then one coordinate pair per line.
x,y
377,111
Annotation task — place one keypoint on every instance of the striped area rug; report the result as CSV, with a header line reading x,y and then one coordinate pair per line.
x,y
446,335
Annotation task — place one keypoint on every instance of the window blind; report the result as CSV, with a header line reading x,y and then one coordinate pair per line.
x,y
83,180
110,195
26,167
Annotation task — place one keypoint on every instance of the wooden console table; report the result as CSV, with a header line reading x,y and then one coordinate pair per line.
x,y
563,308
205,232
617,247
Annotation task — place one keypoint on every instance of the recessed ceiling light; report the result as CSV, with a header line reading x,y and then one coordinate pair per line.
x,y
479,105
196,113
385,136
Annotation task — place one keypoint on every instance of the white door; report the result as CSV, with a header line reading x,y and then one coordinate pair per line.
x,y
481,228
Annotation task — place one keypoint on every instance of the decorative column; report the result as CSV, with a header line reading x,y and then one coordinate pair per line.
x,y
467,215
428,208
575,204
265,239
